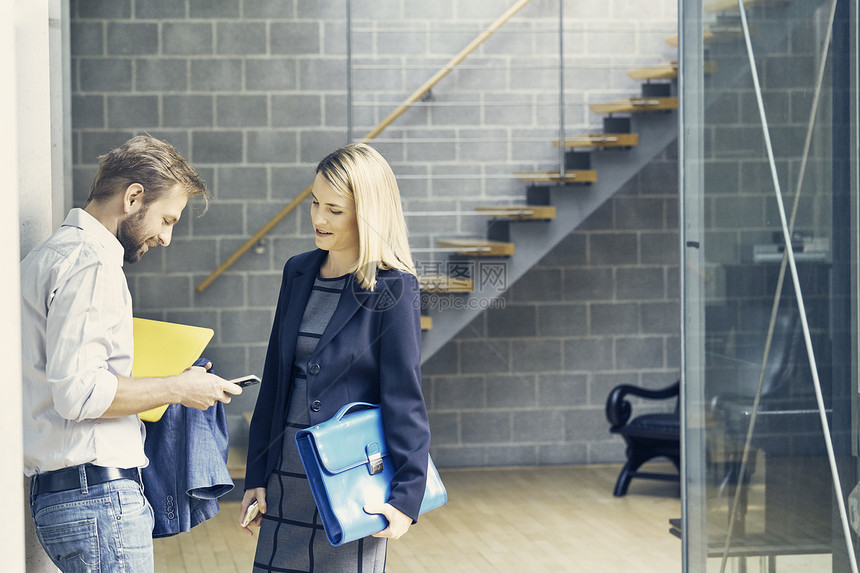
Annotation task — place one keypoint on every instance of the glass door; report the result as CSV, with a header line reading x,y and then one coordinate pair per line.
x,y
769,241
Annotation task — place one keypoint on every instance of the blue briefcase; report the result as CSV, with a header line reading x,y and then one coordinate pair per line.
x,y
348,466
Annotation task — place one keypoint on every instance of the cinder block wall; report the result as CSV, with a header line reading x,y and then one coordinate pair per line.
x,y
254,93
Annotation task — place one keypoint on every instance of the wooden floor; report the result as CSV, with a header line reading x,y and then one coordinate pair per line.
x,y
547,519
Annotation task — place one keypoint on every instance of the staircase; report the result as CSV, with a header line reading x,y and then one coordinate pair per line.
x,y
597,165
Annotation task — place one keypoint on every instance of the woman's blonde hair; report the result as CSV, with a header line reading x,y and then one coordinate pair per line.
x,y
359,173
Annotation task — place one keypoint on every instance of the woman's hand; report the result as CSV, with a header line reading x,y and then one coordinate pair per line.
x,y
258,494
398,522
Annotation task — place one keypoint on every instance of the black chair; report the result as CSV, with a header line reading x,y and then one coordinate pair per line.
x,y
648,436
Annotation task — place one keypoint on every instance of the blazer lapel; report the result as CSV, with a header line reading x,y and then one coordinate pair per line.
x,y
303,282
353,298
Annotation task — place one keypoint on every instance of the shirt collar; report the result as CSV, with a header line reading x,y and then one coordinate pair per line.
x,y
89,224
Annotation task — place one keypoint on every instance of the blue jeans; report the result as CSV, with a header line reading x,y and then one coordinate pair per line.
x,y
103,528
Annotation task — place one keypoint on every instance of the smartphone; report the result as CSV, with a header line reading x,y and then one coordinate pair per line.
x,y
252,512
244,381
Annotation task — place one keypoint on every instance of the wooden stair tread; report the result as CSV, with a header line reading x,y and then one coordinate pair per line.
x,y
477,247
236,458
665,71
636,105
541,212
426,323
602,140
729,5
572,176
716,34
445,283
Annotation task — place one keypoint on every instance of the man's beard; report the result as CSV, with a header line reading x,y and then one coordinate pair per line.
x,y
131,236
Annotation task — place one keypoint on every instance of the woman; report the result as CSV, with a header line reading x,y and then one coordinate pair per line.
x,y
346,329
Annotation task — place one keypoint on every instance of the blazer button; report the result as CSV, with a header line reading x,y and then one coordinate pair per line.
x,y
316,406
314,368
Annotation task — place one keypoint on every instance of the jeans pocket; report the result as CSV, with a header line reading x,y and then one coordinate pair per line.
x,y
72,546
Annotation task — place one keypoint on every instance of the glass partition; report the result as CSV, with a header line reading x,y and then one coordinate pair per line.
x,y
769,242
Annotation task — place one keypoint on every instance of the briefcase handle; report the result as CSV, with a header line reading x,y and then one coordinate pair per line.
x,y
343,411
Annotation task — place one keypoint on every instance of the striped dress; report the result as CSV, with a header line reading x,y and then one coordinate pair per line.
x,y
291,538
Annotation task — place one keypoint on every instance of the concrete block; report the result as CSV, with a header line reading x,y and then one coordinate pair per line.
x,y
562,319
445,361
217,74
322,75
159,10
314,145
514,391
660,248
420,10
458,456
485,356
513,321
245,326
539,284
161,75
562,454
137,112
640,283
569,252
603,383
486,427
112,9
562,390
187,110
222,219
268,9
458,393
445,428
583,424
613,249
269,146
96,143
217,147
296,111
236,182
241,111
588,284
191,255
295,38
132,38
661,318
263,289
187,38
511,455
227,9
587,354
240,37
536,355
104,75
88,110
86,38
637,353
548,427
226,292
271,74
633,213
162,292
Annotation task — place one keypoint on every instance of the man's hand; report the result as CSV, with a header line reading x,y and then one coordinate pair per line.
x,y
398,522
201,390
258,494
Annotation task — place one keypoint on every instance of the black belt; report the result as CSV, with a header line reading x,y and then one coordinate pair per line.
x,y
70,478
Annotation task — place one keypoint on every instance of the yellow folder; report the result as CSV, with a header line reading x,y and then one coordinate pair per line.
x,y
165,349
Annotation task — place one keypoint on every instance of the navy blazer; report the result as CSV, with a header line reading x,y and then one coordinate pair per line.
x,y
370,352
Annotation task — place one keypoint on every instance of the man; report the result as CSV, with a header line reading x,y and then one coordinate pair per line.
x,y
83,440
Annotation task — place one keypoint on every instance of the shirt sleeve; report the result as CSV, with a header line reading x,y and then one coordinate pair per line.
x,y
82,314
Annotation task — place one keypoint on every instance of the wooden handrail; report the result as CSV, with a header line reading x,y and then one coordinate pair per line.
x,y
407,103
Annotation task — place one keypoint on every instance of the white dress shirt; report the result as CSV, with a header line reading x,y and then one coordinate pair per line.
x,y
77,336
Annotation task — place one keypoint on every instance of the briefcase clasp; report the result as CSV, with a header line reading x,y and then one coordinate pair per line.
x,y
374,458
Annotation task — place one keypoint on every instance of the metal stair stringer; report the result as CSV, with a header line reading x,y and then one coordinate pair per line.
x,y
574,203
